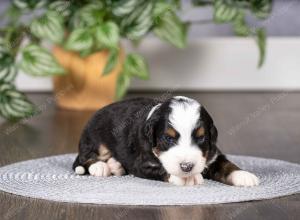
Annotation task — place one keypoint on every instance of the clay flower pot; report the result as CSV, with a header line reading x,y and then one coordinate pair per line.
x,y
84,87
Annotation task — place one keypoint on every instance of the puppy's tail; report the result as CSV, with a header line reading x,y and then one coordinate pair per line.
x,y
78,168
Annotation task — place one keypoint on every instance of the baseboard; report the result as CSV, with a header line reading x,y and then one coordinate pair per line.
x,y
228,64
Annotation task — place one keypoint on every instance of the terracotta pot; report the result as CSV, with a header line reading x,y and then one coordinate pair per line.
x,y
84,87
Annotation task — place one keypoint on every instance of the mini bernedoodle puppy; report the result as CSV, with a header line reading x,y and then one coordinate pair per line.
x,y
172,141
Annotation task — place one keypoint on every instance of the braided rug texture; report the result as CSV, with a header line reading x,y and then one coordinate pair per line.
x,y
52,178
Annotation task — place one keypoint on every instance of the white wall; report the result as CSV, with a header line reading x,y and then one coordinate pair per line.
x,y
210,64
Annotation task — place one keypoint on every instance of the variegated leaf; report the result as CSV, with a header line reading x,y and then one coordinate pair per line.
x,y
79,40
13,104
169,28
135,65
107,34
49,27
39,62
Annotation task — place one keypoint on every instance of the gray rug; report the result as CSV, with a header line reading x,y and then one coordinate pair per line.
x,y
52,178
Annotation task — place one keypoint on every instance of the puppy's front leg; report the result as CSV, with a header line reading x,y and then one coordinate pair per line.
x,y
224,171
148,167
196,179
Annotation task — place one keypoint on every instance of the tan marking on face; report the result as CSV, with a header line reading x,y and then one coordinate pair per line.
x,y
171,132
156,151
200,132
104,153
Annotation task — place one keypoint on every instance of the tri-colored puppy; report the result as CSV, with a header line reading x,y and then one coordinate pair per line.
x,y
172,141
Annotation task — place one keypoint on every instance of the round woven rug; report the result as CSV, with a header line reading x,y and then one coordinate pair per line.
x,y
52,178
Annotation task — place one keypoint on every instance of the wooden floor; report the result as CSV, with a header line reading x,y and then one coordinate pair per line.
x,y
256,124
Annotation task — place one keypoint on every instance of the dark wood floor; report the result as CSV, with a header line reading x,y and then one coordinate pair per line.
x,y
256,124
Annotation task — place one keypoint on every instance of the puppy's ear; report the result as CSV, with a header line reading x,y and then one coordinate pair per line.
x,y
213,132
149,128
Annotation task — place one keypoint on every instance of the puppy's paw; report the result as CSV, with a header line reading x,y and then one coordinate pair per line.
x,y
115,167
242,178
79,170
178,181
194,180
99,169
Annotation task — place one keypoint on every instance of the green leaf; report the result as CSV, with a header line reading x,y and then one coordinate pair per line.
x,y
227,10
202,2
107,35
160,8
111,62
261,8
261,42
21,4
29,5
3,47
123,83
37,61
90,15
122,8
140,24
169,28
128,20
135,65
13,104
79,39
240,27
85,53
224,11
49,27
62,7
8,69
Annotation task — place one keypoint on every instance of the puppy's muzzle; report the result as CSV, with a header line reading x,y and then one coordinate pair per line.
x,y
186,166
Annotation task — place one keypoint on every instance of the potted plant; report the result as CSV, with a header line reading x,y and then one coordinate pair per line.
x,y
78,44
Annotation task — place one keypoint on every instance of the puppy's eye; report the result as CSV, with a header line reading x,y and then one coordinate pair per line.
x,y
201,138
169,139
200,134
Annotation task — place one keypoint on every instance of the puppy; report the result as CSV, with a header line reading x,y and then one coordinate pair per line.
x,y
172,141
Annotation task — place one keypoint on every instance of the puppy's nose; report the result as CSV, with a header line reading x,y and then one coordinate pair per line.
x,y
186,166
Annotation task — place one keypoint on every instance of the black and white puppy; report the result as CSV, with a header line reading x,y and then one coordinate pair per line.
x,y
173,141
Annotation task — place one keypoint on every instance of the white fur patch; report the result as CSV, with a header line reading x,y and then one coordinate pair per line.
x,y
115,167
184,98
196,179
183,118
152,111
213,159
99,169
242,178
79,170
172,158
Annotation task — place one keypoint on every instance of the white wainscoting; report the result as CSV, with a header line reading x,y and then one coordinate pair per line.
x,y
210,64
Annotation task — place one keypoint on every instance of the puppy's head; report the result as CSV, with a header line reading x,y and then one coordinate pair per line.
x,y
182,135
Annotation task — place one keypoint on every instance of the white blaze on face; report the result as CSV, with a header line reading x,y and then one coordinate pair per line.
x,y
152,111
183,118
